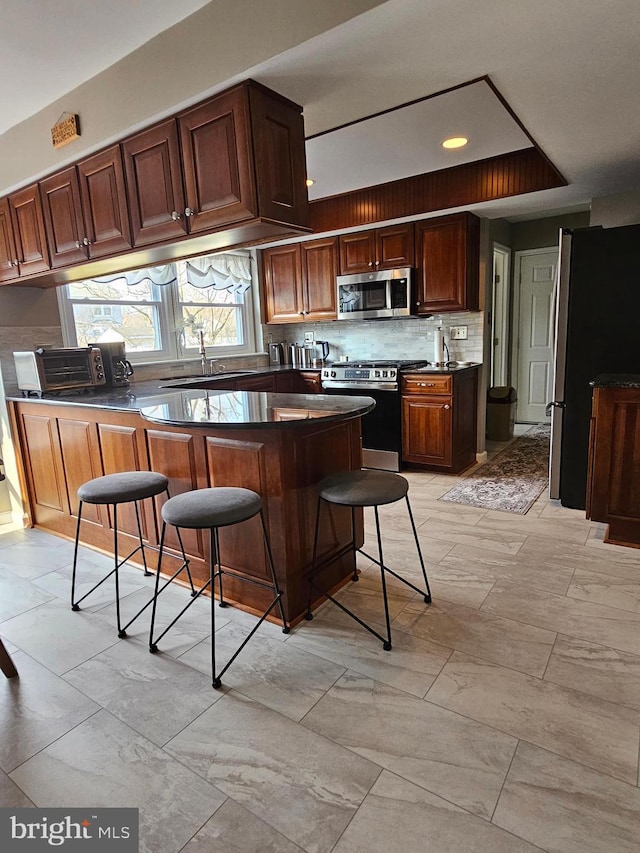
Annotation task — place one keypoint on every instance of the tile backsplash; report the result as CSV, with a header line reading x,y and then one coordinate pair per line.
x,y
407,338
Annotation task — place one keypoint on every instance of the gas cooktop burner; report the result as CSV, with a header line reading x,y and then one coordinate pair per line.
x,y
384,363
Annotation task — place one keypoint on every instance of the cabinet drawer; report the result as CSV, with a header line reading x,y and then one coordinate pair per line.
x,y
426,384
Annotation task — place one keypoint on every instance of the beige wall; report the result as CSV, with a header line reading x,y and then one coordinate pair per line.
x,y
28,306
540,233
185,63
613,210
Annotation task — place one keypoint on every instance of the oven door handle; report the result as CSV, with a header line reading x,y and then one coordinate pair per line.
x,y
361,386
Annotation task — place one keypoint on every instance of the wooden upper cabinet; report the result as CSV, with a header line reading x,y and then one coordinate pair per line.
x,y
279,154
395,246
217,162
377,249
8,259
282,284
448,252
29,235
319,264
63,218
154,184
299,281
104,203
357,252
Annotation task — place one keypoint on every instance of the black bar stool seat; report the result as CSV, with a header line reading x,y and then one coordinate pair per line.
x,y
113,490
358,489
211,509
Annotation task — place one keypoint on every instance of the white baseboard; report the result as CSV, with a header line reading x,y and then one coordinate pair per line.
x,y
15,519
481,457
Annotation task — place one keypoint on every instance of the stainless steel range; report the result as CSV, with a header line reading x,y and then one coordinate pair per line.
x,y
381,428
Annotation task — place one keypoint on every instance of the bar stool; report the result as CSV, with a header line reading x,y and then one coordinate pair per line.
x,y
364,489
211,509
113,490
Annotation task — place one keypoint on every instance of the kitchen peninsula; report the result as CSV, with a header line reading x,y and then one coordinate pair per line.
x,y
279,445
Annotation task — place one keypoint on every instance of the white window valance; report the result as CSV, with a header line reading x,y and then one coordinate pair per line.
x,y
162,275
221,272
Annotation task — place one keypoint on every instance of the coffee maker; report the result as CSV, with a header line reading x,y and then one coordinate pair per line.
x,y
117,369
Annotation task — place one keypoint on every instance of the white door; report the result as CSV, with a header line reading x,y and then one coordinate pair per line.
x,y
535,277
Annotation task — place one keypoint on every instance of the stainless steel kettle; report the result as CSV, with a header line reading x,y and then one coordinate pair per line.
x,y
276,354
325,349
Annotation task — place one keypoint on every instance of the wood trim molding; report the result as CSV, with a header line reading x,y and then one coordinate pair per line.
x,y
515,173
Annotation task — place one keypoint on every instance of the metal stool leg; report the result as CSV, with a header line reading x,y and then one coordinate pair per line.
x,y
309,615
276,588
427,597
213,561
74,603
354,576
386,645
219,572
144,556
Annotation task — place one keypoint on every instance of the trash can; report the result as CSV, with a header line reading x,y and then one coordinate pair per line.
x,y
501,412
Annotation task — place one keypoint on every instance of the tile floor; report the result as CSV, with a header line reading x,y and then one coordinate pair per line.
x,y
506,719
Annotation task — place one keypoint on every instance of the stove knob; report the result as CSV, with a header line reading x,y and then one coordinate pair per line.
x,y
333,374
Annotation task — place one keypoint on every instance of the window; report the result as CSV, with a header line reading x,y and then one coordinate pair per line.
x,y
160,312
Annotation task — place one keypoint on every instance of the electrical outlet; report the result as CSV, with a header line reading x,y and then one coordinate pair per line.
x,y
270,338
458,333
310,337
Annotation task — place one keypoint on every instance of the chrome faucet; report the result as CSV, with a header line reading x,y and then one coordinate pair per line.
x,y
203,355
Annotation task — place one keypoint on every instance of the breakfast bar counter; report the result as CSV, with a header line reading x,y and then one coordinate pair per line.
x,y
279,445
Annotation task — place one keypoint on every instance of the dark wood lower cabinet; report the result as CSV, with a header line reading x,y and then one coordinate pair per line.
x,y
613,486
62,446
439,420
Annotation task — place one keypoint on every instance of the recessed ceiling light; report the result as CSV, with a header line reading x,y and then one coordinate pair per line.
x,y
455,142
310,182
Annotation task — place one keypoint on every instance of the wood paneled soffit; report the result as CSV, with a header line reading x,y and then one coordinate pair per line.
x,y
515,173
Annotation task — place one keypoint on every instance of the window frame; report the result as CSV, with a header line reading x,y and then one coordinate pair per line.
x,y
169,319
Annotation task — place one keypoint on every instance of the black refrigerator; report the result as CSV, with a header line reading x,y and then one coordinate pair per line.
x,y
597,316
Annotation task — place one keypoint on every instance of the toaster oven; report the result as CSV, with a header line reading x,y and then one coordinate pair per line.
x,y
59,369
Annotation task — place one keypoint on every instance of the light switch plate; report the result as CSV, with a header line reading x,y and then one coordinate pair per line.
x,y
309,337
458,333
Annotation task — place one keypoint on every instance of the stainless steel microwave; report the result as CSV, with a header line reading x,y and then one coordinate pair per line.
x,y
370,295
59,369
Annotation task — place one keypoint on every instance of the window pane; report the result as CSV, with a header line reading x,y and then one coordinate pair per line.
x,y
137,324
221,326
112,292
206,295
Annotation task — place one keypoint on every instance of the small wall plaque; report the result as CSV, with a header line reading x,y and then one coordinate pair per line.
x,y
65,130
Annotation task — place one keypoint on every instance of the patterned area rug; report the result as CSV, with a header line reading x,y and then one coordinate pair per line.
x,y
513,479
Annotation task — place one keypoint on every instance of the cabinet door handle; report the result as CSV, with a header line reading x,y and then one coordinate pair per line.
x,y
175,215
370,263
418,304
446,406
426,384
189,211
86,241
377,263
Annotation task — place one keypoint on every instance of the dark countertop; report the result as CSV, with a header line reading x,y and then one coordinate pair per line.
x,y
199,407
235,409
616,380
451,367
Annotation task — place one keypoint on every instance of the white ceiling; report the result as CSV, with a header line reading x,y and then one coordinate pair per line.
x,y
568,69
48,47
407,141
